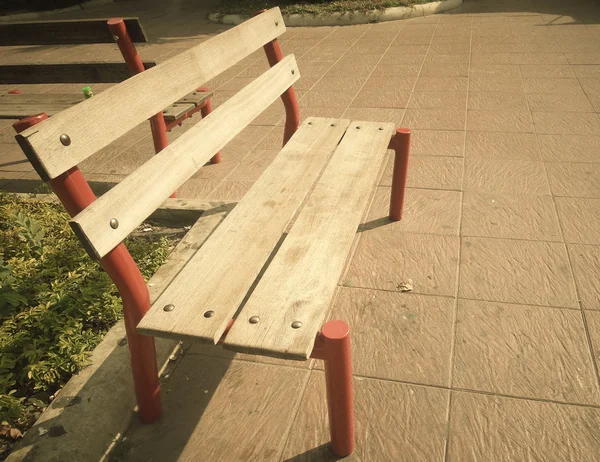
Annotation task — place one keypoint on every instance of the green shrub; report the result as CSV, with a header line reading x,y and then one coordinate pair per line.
x,y
55,302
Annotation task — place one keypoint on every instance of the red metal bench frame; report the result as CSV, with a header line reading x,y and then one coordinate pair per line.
x,y
333,342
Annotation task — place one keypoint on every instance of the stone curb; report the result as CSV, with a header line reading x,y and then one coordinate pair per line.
x,y
42,14
95,407
349,18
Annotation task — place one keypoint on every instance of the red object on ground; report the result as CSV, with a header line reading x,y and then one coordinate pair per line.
x,y
400,143
75,194
14,92
333,346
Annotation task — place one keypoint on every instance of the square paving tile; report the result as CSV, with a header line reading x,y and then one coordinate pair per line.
x,y
500,121
438,99
444,70
566,123
549,85
574,180
559,102
505,176
426,83
386,259
409,423
429,172
437,143
580,219
586,266
375,114
435,119
484,82
319,98
536,273
498,345
500,145
398,336
425,211
570,148
593,322
381,97
497,101
510,217
494,429
210,396
552,71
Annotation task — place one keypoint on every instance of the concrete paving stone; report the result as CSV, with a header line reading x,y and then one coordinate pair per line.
x,y
397,83
505,176
401,50
437,99
513,271
418,29
549,85
518,58
581,45
494,70
574,179
566,123
487,83
231,190
398,336
442,48
396,70
491,47
548,71
510,216
500,145
218,171
586,267
339,98
587,72
209,396
350,83
497,101
595,100
429,172
381,97
590,86
444,70
409,421
437,143
448,58
499,344
494,429
435,119
425,83
555,102
583,58
580,219
198,188
374,114
386,259
325,111
570,148
414,40
593,322
13,159
541,47
248,139
517,120
425,211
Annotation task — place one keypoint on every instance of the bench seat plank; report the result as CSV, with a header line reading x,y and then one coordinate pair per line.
x,y
219,276
300,282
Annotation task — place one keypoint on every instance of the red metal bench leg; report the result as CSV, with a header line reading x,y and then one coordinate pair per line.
x,y
75,193
333,346
204,111
400,143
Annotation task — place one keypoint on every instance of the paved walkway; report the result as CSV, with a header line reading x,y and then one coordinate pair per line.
x,y
494,355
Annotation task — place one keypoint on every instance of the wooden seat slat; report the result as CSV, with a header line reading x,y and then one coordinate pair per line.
x,y
300,282
138,195
219,276
98,121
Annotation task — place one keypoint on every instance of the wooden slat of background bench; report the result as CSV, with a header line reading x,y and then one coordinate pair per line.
x,y
300,282
138,195
84,73
23,105
219,276
97,122
70,31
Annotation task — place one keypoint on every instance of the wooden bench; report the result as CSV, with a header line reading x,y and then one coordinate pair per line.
x,y
14,105
264,281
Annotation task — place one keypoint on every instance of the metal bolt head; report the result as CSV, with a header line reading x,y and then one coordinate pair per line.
x,y
169,307
293,71
276,23
333,125
209,314
115,37
296,324
114,223
380,128
358,127
309,123
254,320
65,139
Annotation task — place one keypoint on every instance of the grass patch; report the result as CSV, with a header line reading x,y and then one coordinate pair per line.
x,y
314,7
56,304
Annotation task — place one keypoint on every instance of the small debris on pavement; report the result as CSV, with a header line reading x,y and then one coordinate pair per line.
x,y
405,286
42,431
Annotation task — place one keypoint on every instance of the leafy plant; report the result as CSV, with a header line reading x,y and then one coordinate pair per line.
x,y
56,304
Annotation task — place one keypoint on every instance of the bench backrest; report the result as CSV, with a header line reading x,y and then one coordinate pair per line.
x,y
60,143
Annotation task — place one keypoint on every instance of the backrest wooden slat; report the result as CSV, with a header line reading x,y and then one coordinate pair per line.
x,y
98,121
65,32
138,195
